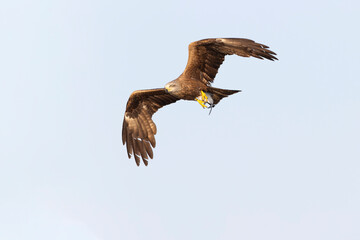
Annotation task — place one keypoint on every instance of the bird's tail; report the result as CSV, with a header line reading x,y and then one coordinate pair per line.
x,y
218,94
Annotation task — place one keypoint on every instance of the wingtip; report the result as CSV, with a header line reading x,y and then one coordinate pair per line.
x,y
137,159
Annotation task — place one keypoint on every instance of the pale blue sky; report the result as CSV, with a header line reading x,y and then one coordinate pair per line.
x,y
281,160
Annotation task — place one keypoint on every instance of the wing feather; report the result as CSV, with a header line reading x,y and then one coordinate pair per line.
x,y
136,154
206,56
149,132
138,132
129,147
148,149
142,150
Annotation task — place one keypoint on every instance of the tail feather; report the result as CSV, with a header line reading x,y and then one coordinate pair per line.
x,y
218,94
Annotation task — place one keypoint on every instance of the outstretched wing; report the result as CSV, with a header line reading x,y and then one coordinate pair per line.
x,y
206,56
138,127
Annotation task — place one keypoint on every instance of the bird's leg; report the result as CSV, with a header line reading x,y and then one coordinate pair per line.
x,y
204,97
202,100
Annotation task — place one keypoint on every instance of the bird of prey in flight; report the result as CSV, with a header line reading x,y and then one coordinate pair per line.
x,y
194,84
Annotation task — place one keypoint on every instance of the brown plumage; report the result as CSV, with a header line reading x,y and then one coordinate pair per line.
x,y
205,58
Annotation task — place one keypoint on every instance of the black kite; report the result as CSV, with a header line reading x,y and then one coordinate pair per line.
x,y
205,58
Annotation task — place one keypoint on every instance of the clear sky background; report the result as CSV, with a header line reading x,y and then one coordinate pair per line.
x,y
281,160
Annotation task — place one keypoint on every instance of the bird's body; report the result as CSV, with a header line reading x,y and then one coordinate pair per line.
x,y
194,84
186,89
190,89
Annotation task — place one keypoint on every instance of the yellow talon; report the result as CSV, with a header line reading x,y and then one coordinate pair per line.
x,y
201,103
202,100
204,97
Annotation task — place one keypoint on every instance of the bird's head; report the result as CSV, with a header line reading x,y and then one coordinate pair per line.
x,y
172,86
